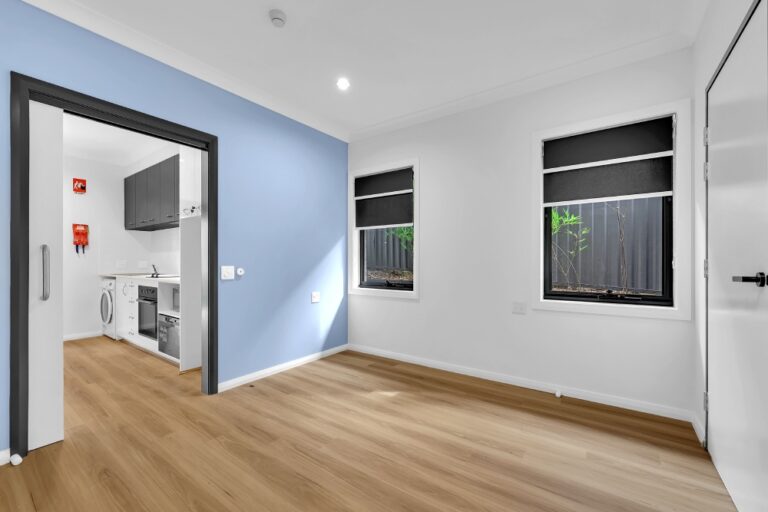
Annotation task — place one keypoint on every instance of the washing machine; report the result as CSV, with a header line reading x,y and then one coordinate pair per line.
x,y
107,307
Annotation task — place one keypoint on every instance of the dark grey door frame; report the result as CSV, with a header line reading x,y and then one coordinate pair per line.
x,y
23,90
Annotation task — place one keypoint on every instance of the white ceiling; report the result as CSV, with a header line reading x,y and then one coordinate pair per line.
x,y
91,140
407,60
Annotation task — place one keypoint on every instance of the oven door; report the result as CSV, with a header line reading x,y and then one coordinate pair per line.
x,y
148,318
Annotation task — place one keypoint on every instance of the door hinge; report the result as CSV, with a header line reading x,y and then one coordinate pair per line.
x,y
706,136
706,171
706,401
706,269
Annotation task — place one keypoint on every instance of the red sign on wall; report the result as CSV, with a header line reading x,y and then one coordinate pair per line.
x,y
78,185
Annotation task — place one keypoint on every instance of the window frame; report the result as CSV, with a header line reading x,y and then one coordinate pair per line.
x,y
680,281
667,297
355,246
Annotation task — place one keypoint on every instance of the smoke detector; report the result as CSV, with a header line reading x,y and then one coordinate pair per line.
x,y
278,18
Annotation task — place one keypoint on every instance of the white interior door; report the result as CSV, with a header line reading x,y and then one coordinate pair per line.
x,y
738,246
46,356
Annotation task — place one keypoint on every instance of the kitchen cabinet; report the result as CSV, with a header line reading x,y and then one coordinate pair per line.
x,y
127,292
152,197
129,197
153,194
142,212
127,314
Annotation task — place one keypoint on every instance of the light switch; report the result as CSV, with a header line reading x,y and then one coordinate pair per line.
x,y
315,297
227,272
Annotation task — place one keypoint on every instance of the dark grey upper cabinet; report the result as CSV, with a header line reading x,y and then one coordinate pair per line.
x,y
153,194
142,207
152,197
129,197
176,188
168,188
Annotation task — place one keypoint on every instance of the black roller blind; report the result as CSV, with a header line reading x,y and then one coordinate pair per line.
x,y
384,211
392,181
647,137
388,209
630,178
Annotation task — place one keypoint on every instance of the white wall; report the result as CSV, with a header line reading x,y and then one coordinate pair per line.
x,y
111,248
476,185
96,208
720,24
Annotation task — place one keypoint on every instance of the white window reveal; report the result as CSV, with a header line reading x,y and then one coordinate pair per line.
x,y
384,232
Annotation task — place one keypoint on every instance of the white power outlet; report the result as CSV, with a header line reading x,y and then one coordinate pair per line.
x,y
227,272
315,297
519,308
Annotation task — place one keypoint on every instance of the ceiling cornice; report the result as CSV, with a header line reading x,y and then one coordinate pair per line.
x,y
612,60
72,11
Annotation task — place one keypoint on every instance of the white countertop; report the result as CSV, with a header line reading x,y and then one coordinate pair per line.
x,y
146,278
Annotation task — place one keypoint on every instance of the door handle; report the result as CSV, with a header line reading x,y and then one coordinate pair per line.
x,y
758,279
46,272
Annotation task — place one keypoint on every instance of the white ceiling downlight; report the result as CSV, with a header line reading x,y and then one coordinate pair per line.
x,y
343,83
278,18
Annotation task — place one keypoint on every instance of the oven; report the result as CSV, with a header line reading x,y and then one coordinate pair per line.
x,y
148,311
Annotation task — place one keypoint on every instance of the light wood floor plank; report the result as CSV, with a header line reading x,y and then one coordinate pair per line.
x,y
348,433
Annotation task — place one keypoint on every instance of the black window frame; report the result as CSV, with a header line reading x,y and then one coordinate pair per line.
x,y
383,184
378,284
666,299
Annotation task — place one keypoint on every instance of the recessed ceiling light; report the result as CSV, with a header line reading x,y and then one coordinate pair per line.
x,y
343,83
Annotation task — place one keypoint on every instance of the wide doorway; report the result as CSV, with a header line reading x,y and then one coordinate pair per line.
x,y
113,241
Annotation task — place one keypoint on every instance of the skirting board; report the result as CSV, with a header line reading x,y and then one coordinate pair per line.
x,y
5,457
582,394
266,372
698,426
82,336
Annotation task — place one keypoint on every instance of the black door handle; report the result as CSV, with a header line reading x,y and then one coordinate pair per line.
x,y
758,279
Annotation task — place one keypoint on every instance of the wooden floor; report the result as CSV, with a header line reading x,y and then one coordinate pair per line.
x,y
350,432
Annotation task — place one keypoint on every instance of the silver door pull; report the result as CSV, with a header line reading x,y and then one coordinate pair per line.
x,y
46,272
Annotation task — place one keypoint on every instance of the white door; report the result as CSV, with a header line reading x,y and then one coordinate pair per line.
x,y
738,246
46,356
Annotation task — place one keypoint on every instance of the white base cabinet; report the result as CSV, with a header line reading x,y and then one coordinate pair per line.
x,y
127,293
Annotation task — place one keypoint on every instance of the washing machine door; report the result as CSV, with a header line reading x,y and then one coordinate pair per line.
x,y
107,307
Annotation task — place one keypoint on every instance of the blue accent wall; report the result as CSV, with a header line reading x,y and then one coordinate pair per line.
x,y
282,192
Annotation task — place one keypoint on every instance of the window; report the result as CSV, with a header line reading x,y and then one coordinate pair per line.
x,y
384,218
607,207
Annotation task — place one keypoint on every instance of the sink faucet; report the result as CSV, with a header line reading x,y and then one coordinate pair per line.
x,y
155,274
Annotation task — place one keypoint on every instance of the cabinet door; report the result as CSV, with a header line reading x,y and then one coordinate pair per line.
x,y
129,200
122,307
133,309
142,210
167,191
176,188
153,194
